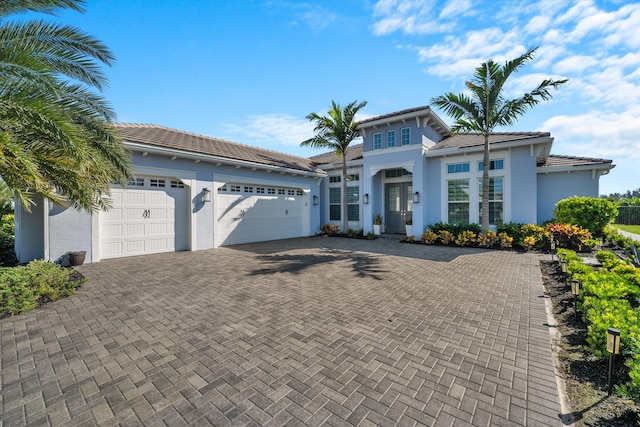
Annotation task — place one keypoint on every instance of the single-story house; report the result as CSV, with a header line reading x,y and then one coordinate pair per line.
x,y
193,192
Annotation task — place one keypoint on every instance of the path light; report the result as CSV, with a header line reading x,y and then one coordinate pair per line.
x,y
613,347
365,199
575,291
206,195
553,247
563,267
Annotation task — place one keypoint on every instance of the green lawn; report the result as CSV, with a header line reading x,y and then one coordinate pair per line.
x,y
629,228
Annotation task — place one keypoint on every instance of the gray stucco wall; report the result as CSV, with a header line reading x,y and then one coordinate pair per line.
x,y
30,231
69,230
523,186
416,134
553,187
433,196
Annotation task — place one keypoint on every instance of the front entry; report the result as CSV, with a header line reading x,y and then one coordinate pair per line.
x,y
398,206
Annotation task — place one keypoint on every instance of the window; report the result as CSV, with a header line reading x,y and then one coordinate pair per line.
x,y
391,138
334,203
396,173
260,190
458,168
281,191
353,177
248,189
405,136
377,141
136,182
291,192
234,188
271,191
493,165
177,184
335,178
458,201
299,192
353,203
222,189
496,200
157,183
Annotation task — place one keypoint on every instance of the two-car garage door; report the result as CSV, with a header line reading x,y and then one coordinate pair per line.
x,y
149,216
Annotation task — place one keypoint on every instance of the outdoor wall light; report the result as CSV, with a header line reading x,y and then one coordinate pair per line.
x,y
206,195
416,197
613,347
575,291
315,200
365,199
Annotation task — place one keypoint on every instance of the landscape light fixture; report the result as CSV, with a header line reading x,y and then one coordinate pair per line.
x,y
613,347
553,246
575,291
563,267
206,195
365,199
416,197
315,201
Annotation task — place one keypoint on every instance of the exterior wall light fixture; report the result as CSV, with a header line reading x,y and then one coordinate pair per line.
x,y
416,197
206,195
365,199
315,201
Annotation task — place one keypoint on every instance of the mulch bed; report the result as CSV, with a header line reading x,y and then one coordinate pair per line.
x,y
585,376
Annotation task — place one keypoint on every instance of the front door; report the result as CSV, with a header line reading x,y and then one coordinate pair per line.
x,y
398,206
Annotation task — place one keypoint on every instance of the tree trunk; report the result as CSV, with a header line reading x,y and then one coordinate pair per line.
x,y
485,185
345,219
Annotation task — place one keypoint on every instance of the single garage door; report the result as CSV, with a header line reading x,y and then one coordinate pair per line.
x,y
248,213
149,216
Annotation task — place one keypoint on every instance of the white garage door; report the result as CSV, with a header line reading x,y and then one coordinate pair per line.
x,y
149,216
254,213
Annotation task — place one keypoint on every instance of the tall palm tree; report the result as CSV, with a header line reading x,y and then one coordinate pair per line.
x,y
335,131
486,108
56,136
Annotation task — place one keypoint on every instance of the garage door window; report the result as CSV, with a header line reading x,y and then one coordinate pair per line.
x,y
157,183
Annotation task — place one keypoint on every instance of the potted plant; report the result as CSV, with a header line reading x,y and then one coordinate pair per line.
x,y
377,224
409,226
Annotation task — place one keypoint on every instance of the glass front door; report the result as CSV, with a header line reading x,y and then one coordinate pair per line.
x,y
398,206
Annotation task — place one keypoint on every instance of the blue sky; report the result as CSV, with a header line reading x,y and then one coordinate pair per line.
x,y
250,71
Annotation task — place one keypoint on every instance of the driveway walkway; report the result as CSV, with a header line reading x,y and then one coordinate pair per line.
x,y
298,332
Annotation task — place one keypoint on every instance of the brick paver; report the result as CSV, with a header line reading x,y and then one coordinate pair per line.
x,y
297,332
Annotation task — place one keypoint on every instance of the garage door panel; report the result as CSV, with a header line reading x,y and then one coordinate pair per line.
x,y
143,220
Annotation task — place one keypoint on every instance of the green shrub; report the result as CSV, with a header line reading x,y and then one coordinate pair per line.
x,y
466,238
512,229
609,260
429,237
7,250
487,240
576,269
591,213
569,254
632,388
601,314
506,241
454,229
533,237
8,224
605,284
23,288
446,237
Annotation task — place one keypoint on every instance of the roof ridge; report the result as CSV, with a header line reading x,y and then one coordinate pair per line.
x,y
566,156
396,113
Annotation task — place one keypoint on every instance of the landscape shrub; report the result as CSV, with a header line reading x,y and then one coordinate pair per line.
x,y
487,240
7,250
8,225
446,237
592,213
608,259
576,269
454,229
506,241
538,237
570,236
23,288
512,229
608,285
429,237
631,388
570,255
329,229
601,314
466,238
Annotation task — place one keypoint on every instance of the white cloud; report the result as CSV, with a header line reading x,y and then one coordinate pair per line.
x,y
597,133
456,8
274,129
407,16
576,64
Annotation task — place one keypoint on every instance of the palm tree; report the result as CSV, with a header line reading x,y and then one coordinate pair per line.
x,y
486,108
56,136
335,132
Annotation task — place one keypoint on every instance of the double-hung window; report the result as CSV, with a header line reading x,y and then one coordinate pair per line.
x,y
496,200
335,196
405,136
458,201
377,141
391,138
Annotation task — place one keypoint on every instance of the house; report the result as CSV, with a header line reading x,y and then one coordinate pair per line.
x,y
410,166
193,192
190,192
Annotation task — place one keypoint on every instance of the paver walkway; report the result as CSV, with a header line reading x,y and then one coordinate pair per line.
x,y
298,332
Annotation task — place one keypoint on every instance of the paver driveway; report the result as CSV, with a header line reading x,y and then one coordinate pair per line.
x,y
298,332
